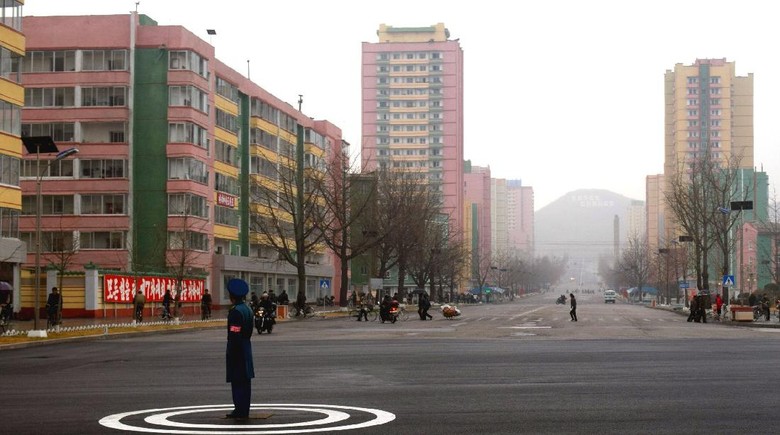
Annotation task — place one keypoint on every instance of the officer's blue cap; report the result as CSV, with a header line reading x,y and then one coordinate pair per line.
x,y
237,287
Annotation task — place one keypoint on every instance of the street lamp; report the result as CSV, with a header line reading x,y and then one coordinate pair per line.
x,y
38,145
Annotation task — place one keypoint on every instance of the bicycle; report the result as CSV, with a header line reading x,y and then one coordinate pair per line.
x,y
403,314
53,317
295,312
371,314
139,314
166,315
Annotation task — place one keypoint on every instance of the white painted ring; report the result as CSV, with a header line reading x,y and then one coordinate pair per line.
x,y
114,421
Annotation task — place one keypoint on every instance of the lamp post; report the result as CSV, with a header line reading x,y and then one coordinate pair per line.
x,y
39,144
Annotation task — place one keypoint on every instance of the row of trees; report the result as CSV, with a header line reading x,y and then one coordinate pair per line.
x,y
706,200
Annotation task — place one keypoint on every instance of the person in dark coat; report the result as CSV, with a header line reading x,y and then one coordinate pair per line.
x,y
283,298
238,358
694,308
166,303
573,311
424,304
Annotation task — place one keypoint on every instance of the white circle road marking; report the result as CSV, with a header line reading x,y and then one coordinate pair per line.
x,y
162,419
114,421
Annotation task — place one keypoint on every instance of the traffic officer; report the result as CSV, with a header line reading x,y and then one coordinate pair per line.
x,y
240,369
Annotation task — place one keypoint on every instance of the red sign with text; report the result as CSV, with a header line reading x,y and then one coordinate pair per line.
x,y
226,200
122,288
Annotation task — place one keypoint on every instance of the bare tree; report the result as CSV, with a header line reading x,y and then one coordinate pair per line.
x,y
348,201
407,206
187,240
635,263
770,251
286,205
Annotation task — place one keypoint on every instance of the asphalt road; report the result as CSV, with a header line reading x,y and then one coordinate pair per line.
x,y
513,368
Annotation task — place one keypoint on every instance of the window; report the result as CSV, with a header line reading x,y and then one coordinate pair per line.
x,y
225,153
10,65
189,96
11,14
9,170
226,216
187,132
187,204
103,204
9,222
186,168
104,60
227,121
49,61
49,97
226,183
188,240
102,240
10,118
110,96
227,90
59,131
52,241
188,60
60,168
102,168
50,205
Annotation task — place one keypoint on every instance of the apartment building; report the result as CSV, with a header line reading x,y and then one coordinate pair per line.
x,y
12,51
171,144
412,109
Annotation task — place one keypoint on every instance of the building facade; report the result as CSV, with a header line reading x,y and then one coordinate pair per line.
x,y
172,145
412,109
477,197
708,109
12,52
520,218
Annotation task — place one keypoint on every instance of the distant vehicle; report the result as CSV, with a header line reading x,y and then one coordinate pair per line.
x,y
609,296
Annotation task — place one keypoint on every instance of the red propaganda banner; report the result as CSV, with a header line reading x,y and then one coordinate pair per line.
x,y
122,288
226,200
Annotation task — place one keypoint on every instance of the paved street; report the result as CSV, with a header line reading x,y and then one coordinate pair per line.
x,y
519,367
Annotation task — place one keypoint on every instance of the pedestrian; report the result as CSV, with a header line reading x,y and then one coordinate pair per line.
x,y
205,305
573,312
254,301
283,298
718,305
694,308
138,305
765,306
424,304
166,303
54,305
239,365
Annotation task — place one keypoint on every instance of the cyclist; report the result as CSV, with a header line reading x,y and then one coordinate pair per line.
x,y
205,305
53,305
138,304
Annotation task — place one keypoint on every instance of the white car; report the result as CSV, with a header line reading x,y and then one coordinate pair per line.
x,y
609,296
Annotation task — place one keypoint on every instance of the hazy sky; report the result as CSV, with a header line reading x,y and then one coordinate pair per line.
x,y
563,95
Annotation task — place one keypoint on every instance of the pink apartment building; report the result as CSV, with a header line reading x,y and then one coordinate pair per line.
x,y
412,105
476,195
169,142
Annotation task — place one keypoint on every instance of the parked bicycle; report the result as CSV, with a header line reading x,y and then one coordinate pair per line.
x,y
297,313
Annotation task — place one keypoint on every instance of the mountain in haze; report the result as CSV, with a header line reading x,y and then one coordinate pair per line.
x,y
580,225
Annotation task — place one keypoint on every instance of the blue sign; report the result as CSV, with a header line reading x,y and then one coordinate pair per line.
x,y
728,280
683,284
324,284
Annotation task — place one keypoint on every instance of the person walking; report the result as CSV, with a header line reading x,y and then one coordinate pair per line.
x,y
694,308
765,306
718,305
205,305
425,305
573,311
238,358
283,298
166,303
138,306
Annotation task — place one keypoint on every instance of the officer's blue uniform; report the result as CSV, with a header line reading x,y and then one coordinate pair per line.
x,y
240,369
